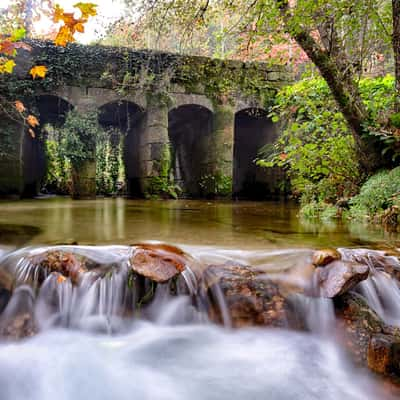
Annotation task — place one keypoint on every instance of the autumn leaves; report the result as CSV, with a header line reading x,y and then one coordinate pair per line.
x,y
10,43
72,24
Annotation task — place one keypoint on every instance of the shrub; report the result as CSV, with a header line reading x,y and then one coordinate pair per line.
x,y
378,193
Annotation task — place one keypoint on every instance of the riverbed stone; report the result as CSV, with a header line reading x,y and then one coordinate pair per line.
x,y
159,263
248,298
323,257
338,277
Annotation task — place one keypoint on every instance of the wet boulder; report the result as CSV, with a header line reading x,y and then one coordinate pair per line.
x,y
323,257
369,341
159,263
66,263
338,277
240,297
383,354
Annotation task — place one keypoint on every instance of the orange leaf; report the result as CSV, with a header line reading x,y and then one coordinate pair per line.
x,y
32,133
80,27
7,47
58,13
19,106
64,36
32,120
38,70
61,278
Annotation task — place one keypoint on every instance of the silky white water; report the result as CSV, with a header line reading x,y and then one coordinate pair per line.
x,y
181,362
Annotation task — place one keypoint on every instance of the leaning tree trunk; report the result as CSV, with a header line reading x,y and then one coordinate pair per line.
x,y
335,70
396,48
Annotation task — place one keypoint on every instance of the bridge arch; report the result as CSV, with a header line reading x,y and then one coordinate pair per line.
x,y
51,110
190,133
129,118
253,129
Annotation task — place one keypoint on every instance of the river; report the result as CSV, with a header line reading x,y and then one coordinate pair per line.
x,y
171,351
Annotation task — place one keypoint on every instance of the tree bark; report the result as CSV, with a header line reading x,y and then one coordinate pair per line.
x,y
396,49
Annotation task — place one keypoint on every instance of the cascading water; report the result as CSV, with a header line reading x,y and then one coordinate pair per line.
x,y
102,332
381,291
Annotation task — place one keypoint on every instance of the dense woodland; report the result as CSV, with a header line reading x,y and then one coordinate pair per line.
x,y
340,120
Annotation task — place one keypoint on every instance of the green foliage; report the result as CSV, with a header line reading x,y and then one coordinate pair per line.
x,y
395,120
71,146
79,136
58,171
379,193
161,185
217,184
315,147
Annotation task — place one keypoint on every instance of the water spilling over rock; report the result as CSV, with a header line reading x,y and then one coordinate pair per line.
x,y
345,297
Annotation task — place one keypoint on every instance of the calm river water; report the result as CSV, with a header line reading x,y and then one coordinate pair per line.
x,y
244,225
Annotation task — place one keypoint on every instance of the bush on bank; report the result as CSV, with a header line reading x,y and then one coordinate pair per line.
x,y
317,149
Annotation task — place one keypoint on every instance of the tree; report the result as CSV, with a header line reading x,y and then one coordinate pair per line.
x,y
336,35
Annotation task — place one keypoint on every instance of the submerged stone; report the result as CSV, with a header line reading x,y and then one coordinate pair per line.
x,y
339,276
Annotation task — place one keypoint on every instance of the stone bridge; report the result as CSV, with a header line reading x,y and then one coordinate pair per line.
x,y
204,118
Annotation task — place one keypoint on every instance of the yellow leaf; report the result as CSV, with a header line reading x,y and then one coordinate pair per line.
x,y
32,133
32,120
38,70
19,106
87,9
7,67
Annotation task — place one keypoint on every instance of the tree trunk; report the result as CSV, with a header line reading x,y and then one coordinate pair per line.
x,y
396,48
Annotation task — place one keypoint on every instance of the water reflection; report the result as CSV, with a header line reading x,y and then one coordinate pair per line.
x,y
245,225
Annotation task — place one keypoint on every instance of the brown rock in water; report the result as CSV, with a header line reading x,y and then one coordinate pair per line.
x,y
160,263
366,337
338,277
251,300
65,263
323,257
383,354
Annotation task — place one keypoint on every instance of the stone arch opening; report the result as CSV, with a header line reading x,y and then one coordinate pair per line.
x,y
129,119
189,128
51,110
253,129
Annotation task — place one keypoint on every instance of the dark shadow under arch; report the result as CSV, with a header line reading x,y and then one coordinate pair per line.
x,y
189,128
253,129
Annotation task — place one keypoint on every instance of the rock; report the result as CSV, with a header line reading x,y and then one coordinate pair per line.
x,y
250,300
159,263
357,323
369,341
68,264
20,327
338,277
323,257
383,354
